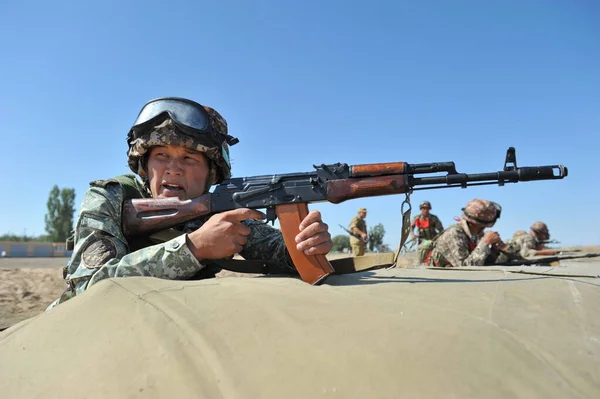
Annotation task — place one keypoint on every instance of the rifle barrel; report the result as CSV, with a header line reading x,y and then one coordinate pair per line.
x,y
528,173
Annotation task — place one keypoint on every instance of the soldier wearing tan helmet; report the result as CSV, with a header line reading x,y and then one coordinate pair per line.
x,y
359,237
519,233
465,243
427,224
528,244
177,148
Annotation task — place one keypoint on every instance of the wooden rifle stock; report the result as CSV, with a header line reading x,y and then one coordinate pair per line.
x,y
149,215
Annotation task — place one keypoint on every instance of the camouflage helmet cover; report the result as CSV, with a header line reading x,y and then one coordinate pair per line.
x,y
167,133
425,204
539,227
481,212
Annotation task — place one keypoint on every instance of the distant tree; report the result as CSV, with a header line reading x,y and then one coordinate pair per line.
x,y
376,234
340,242
23,238
59,219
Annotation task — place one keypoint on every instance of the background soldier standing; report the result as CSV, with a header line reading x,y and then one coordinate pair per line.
x,y
428,224
358,228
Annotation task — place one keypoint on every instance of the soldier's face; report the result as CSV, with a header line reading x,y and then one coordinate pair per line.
x,y
175,171
362,214
425,211
542,236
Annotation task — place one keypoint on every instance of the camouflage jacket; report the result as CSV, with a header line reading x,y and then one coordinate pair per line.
x,y
435,226
522,246
102,251
361,225
453,248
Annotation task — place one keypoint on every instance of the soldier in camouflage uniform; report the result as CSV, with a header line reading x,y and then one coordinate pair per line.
x,y
427,224
518,233
178,148
358,228
526,245
464,243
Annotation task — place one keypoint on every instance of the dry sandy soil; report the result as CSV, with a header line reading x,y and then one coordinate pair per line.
x,y
29,285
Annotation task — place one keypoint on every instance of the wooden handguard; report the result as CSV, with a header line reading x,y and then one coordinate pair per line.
x,y
313,269
345,189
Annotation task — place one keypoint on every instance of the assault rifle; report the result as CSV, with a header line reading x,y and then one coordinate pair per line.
x,y
541,260
286,196
549,242
353,234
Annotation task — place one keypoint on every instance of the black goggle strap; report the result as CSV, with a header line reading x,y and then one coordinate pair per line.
x,y
498,212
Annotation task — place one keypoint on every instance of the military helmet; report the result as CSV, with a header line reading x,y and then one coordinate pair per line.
x,y
425,204
482,212
181,122
539,227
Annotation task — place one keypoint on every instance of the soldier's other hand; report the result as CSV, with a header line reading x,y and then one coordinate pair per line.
x,y
223,235
314,237
491,238
500,245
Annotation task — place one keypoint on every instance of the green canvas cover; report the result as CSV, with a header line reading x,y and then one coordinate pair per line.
x,y
399,333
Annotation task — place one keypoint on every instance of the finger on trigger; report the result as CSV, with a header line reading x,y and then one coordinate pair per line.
x,y
247,213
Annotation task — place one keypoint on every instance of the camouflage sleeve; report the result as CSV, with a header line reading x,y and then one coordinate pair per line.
x,y
266,243
454,246
101,250
437,225
528,246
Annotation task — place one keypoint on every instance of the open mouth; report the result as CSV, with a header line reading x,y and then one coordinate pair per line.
x,y
172,188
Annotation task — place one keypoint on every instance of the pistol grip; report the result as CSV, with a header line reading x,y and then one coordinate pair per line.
x,y
313,269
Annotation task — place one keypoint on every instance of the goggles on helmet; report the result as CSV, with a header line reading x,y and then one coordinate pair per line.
x,y
189,116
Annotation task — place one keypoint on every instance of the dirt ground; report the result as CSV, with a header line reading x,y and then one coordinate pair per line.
x,y
29,285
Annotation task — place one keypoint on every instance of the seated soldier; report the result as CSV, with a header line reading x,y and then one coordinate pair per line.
x,y
178,148
464,243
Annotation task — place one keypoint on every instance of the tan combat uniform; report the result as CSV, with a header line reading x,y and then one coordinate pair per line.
x,y
357,244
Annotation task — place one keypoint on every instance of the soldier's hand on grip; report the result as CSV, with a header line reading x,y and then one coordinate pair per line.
x,y
223,235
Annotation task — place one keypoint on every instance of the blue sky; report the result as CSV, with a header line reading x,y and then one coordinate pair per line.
x,y
303,83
